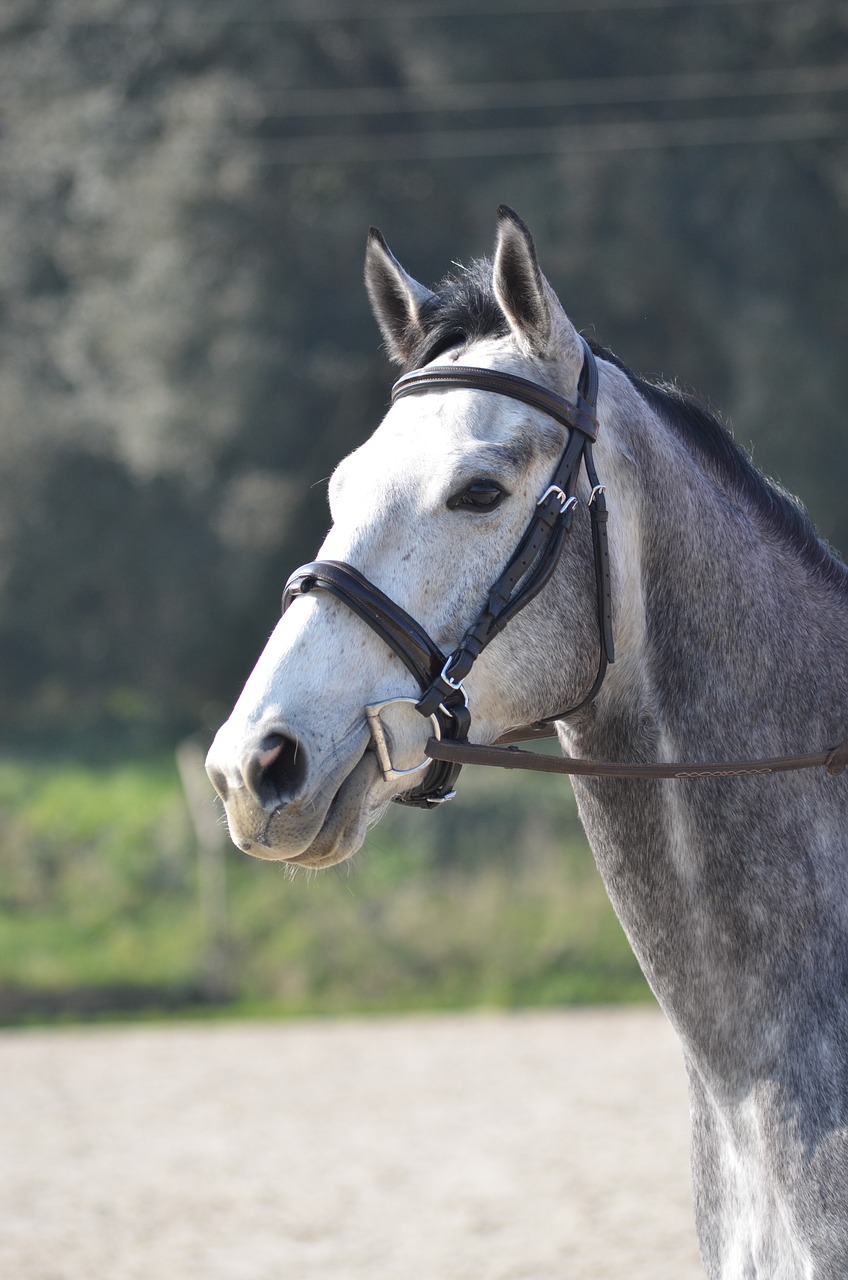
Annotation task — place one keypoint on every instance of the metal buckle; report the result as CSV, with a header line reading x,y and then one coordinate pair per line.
x,y
596,493
565,503
456,685
434,800
381,743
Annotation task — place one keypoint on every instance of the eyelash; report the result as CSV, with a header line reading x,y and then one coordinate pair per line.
x,y
484,489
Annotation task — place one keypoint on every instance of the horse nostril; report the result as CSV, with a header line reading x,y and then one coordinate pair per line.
x,y
276,771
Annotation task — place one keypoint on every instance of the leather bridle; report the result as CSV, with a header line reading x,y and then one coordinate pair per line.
x,y
440,676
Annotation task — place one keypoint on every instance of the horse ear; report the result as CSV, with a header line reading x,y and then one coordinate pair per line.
x,y
520,288
396,299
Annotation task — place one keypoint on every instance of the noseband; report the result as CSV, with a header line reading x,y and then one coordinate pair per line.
x,y
440,676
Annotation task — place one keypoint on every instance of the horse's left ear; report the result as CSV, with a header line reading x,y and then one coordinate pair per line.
x,y
530,305
396,299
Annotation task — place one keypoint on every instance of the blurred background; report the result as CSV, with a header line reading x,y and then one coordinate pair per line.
x,y
186,350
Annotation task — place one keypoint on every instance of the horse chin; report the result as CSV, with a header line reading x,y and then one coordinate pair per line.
x,y
339,834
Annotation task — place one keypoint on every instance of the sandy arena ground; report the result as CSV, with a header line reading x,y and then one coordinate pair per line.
x,y
534,1146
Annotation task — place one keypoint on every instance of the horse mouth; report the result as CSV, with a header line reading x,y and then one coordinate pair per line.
x,y
339,835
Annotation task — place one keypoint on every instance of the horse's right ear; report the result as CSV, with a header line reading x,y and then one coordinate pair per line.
x,y
396,299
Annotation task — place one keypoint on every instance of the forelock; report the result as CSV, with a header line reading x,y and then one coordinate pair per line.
x,y
463,310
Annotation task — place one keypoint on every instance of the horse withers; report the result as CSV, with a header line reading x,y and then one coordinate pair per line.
x,y
730,622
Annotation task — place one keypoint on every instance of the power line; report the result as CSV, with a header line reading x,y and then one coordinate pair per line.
x,y
304,11
557,140
595,91
581,91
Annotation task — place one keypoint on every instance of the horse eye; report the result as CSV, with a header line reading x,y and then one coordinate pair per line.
x,y
479,495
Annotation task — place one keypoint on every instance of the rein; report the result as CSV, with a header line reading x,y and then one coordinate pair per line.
x,y
511,757
440,676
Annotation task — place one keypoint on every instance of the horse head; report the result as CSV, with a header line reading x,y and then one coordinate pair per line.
x,y
429,511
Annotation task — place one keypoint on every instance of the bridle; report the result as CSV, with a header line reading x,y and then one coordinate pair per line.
x,y
440,676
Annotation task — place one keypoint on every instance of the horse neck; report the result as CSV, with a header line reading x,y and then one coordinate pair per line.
x,y
733,647
731,638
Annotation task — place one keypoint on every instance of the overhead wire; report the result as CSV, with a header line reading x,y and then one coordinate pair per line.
x,y
566,138
581,91
627,135
304,11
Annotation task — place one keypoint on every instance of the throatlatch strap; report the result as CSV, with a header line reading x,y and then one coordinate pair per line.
x,y
600,544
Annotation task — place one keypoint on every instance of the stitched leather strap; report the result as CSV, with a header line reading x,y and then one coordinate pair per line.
x,y
419,654
834,760
534,560
581,416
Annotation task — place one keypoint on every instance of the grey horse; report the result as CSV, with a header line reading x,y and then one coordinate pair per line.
x,y
730,621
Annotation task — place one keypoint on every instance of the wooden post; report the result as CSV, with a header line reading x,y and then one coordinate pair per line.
x,y
211,839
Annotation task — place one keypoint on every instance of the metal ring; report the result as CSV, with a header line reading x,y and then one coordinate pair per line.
x,y
381,745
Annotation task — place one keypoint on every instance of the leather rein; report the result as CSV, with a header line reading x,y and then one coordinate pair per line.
x,y
440,676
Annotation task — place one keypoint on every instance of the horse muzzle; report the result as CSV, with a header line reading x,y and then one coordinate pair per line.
x,y
278,807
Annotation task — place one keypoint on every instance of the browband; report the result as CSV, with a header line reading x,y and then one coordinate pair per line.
x,y
580,416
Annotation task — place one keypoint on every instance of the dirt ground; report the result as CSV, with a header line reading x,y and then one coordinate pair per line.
x,y
533,1146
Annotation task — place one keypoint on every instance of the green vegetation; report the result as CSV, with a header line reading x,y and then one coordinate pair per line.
x,y
493,901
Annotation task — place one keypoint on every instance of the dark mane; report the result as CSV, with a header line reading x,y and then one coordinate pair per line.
x,y
782,514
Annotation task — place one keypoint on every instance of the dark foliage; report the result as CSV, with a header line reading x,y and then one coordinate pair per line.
x,y
186,342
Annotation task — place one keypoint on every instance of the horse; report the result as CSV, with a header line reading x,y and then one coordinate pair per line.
x,y
730,618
